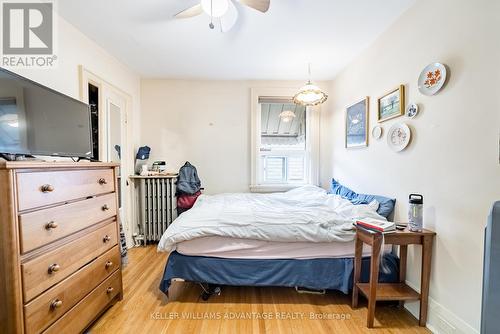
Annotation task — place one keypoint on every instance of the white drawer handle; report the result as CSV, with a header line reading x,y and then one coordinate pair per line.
x,y
105,207
47,188
106,238
108,264
53,268
102,181
56,303
51,225
109,290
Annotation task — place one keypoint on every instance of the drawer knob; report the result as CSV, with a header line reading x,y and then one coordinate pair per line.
x,y
106,238
51,225
108,264
53,268
56,303
105,207
109,290
47,188
102,181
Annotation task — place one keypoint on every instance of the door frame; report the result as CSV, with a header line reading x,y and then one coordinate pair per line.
x,y
106,90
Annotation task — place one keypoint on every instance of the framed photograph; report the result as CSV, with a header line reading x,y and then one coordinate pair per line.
x,y
392,104
356,124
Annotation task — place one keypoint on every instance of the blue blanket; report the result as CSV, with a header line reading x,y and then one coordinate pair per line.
x,y
334,274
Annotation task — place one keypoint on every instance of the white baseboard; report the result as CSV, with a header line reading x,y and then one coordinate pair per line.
x,y
440,320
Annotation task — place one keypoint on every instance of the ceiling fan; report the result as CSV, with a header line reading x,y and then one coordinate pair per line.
x,y
222,10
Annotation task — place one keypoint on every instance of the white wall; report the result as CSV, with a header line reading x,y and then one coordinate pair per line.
x,y
453,157
75,49
204,122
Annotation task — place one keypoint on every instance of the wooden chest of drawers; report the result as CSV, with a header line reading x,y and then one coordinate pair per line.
x,y
59,245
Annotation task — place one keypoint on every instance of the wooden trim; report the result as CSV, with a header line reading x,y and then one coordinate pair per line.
x,y
4,164
11,311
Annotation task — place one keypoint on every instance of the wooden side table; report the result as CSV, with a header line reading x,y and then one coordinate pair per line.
x,y
373,290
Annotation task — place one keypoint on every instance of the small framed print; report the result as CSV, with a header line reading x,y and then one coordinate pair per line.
x,y
392,104
356,124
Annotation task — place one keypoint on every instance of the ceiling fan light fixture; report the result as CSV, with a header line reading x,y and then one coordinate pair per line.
x,y
215,8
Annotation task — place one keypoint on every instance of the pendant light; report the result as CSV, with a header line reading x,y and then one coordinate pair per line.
x,y
287,116
309,94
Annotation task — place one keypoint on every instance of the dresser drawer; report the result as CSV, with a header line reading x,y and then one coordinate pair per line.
x,y
36,189
41,227
80,316
51,305
50,268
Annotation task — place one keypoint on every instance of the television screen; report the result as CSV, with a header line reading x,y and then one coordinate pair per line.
x,y
37,120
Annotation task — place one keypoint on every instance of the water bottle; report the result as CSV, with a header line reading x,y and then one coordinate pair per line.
x,y
416,212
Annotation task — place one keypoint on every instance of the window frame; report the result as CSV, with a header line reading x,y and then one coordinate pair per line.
x,y
312,141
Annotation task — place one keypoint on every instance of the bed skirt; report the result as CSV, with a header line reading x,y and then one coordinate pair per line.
x,y
321,273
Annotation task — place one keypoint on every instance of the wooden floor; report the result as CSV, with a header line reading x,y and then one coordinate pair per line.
x,y
145,309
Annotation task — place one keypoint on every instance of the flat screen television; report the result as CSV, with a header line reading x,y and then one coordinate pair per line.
x,y
36,120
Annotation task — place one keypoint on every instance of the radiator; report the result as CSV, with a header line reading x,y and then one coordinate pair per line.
x,y
158,206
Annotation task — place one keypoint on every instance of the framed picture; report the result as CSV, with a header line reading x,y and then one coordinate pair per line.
x,y
392,104
356,124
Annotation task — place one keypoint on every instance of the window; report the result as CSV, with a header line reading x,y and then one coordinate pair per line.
x,y
282,148
284,139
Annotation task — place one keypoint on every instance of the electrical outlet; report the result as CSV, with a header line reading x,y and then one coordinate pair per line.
x,y
445,327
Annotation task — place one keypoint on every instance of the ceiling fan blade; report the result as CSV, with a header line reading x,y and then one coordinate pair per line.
x,y
260,5
228,20
190,12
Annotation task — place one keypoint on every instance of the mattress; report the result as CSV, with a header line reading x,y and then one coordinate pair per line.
x,y
226,247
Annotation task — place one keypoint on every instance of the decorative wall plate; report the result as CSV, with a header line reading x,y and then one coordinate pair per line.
x,y
377,132
432,79
412,110
398,137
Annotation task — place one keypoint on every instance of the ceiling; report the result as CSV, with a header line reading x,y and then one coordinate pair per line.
x,y
276,45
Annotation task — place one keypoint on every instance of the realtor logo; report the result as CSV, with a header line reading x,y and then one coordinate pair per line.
x,y
28,33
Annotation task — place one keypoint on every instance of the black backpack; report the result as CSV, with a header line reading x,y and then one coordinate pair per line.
x,y
188,182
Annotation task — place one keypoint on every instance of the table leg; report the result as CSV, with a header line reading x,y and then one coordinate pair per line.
x,y
374,268
403,251
425,279
358,254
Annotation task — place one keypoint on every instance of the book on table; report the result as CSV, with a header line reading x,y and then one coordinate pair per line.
x,y
376,225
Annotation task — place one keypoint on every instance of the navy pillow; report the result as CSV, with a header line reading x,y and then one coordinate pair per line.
x,y
386,205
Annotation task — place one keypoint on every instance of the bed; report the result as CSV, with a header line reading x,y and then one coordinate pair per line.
x,y
300,238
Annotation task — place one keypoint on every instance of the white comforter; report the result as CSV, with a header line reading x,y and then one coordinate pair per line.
x,y
303,214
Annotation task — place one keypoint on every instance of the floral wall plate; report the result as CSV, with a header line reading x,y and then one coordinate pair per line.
x,y
432,79
398,137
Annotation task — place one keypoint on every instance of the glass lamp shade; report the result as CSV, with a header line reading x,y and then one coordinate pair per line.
x,y
310,95
215,8
287,115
